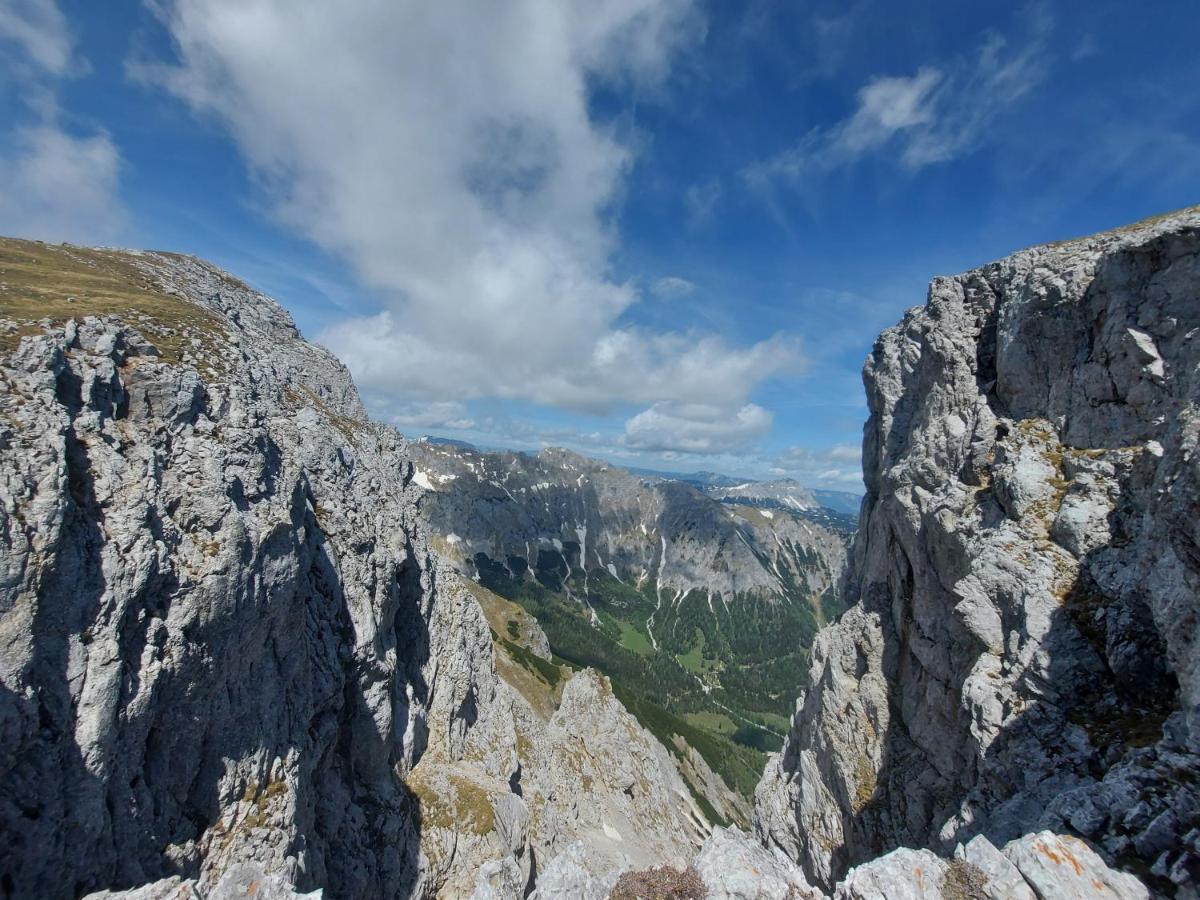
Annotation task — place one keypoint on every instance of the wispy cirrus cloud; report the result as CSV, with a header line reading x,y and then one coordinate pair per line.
x,y
671,287
700,202
934,115
696,428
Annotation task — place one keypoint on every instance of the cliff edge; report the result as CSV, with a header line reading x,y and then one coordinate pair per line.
x,y
229,662
1021,649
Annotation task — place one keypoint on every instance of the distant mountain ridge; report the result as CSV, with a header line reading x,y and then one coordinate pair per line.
x,y
700,479
711,482
785,492
696,604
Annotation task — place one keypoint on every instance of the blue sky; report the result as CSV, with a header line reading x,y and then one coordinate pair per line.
x,y
661,231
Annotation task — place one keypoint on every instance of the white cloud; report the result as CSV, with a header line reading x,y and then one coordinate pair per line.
x,y
57,184
671,287
39,28
696,427
932,116
443,414
448,152
60,187
836,466
885,107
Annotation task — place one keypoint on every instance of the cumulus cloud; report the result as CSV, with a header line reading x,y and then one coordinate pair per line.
x,y
449,153
931,116
58,184
437,414
671,287
696,427
836,466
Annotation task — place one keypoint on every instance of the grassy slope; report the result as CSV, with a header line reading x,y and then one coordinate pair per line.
x,y
41,282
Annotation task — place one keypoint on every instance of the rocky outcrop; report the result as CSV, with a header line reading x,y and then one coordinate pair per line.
x,y
215,637
1045,866
733,866
241,881
592,774
230,665
1021,649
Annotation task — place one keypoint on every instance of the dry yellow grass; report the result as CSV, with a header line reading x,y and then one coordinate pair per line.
x,y
40,282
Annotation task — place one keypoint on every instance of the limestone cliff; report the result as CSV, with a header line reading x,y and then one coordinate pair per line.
x,y
1021,649
229,662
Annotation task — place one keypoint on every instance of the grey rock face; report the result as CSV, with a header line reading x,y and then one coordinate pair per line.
x,y
230,665
239,882
221,635
903,874
1003,878
1067,868
1045,866
1025,579
592,774
734,867
568,877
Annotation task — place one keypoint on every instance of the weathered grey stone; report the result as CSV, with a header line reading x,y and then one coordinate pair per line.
x,y
215,641
227,651
248,882
900,875
500,879
1025,580
173,888
241,881
594,774
1004,880
734,866
569,876
1065,868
